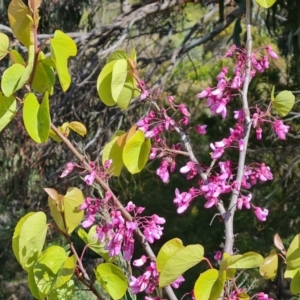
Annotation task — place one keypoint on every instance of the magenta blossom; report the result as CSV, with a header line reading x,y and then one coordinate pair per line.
x,y
261,214
281,129
201,129
68,169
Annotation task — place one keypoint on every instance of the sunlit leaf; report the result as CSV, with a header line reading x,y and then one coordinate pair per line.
x,y
112,279
78,128
179,262
8,109
46,269
136,152
113,151
11,78
284,102
166,251
16,57
104,84
295,283
119,75
116,55
266,3
20,23
4,44
69,206
33,287
44,77
91,240
34,4
62,47
65,292
36,117
269,269
208,286
127,93
29,238
246,261
293,253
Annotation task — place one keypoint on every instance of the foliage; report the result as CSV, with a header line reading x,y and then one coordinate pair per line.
x,y
133,149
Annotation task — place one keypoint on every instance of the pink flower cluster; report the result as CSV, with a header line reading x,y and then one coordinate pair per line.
x,y
148,281
114,230
223,183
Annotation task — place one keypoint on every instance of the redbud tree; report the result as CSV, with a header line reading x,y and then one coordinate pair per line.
x,y
110,228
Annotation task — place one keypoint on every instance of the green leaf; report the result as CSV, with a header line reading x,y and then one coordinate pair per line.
x,y
179,262
112,279
62,47
208,285
248,260
16,57
11,78
20,23
104,84
272,93
16,236
295,283
136,152
269,269
65,292
33,287
166,251
29,238
113,151
290,273
4,44
69,206
293,253
44,77
284,102
47,268
92,242
36,117
8,109
78,128
266,3
117,55
230,273
66,272
127,93
119,75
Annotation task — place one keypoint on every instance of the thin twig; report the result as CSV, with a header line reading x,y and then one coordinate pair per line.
x,y
229,232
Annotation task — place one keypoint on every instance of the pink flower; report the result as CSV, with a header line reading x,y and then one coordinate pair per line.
x,y
175,284
89,179
271,52
204,93
280,129
258,132
218,255
263,296
182,200
244,201
201,129
68,169
163,172
261,214
144,94
184,110
140,262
